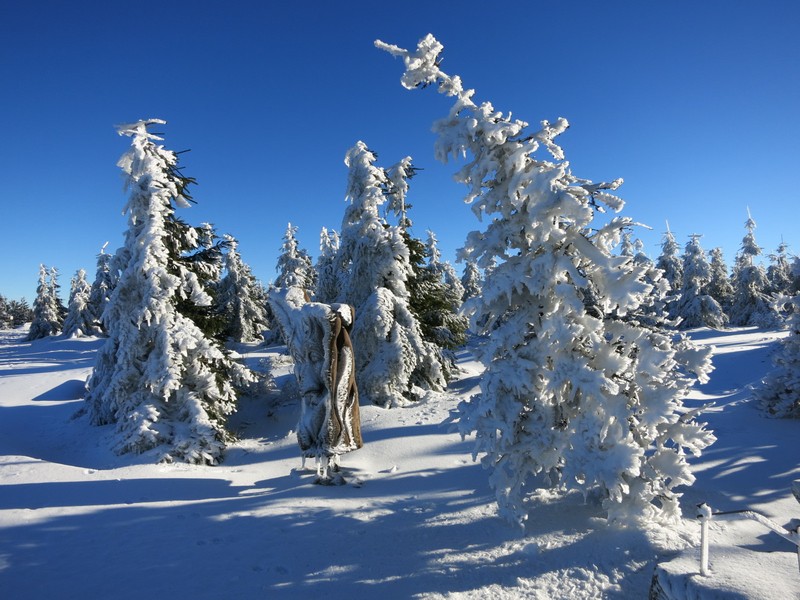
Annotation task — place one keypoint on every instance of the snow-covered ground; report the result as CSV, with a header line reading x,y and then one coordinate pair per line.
x,y
416,519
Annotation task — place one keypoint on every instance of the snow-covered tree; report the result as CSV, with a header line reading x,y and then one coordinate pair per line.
x,y
158,378
20,312
5,314
779,272
672,266
102,286
46,314
695,307
719,284
393,361
294,264
779,391
55,296
750,303
573,394
327,277
240,299
471,281
80,320
438,300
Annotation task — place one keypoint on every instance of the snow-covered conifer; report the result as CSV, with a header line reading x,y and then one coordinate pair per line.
x,y
5,314
393,361
572,391
779,391
750,303
55,297
439,300
20,312
670,263
294,264
102,286
240,299
471,281
46,318
80,319
719,284
327,277
695,307
779,272
158,378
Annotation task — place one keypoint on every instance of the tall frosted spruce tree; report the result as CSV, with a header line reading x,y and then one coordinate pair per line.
x,y
750,304
46,314
394,363
574,395
240,298
158,378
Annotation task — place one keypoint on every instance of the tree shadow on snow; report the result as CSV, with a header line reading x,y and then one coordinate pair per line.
x,y
287,538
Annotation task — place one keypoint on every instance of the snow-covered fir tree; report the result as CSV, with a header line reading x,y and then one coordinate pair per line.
x,y
779,391
80,320
55,296
471,281
574,395
102,286
695,307
750,304
240,299
719,283
327,277
158,378
779,272
46,314
393,361
439,301
670,263
294,267
20,312
5,314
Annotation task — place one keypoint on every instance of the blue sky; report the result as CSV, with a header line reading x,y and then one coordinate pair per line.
x,y
694,104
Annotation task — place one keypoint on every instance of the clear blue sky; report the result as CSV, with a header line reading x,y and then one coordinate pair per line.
x,y
694,104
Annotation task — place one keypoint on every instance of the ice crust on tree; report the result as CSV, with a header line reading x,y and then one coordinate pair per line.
x,y
393,362
576,394
158,379
318,339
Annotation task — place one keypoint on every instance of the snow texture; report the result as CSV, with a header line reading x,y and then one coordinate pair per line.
x,y
417,519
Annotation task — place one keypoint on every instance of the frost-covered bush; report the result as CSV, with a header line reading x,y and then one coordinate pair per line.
x,y
158,379
575,394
